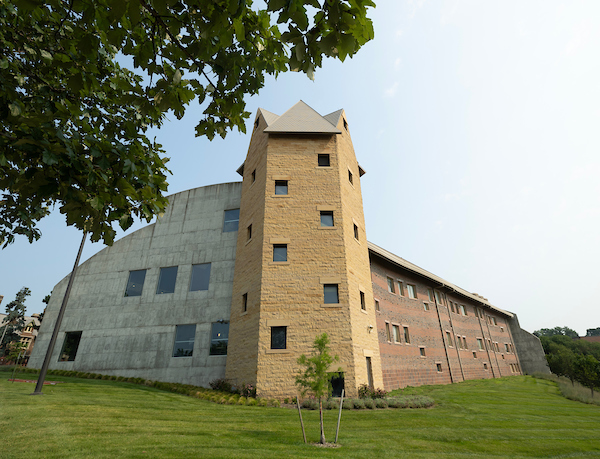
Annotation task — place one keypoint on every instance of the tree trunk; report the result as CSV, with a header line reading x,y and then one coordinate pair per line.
x,y
321,419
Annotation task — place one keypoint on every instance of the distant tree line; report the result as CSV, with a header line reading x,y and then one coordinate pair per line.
x,y
569,356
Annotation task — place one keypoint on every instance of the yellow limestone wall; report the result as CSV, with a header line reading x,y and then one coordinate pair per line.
x,y
291,293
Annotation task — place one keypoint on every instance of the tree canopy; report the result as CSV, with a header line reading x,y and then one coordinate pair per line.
x,y
74,121
556,331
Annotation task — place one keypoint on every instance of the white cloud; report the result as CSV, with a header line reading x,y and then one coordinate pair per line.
x,y
392,90
397,63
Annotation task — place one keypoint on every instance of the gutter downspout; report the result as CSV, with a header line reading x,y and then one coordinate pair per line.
x,y
455,344
484,344
487,324
443,338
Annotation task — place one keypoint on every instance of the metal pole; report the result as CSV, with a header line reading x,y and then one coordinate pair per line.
x,y
40,382
300,414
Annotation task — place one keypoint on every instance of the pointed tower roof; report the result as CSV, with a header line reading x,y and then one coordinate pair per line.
x,y
300,119
334,118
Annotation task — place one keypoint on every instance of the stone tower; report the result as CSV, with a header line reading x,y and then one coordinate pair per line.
x,y
302,262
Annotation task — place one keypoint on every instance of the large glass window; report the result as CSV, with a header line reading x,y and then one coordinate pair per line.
x,y
166,280
219,336
70,346
330,293
231,220
184,340
278,337
200,277
135,283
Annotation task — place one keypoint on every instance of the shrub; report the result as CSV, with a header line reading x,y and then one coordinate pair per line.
x,y
378,393
397,402
310,404
359,404
220,384
348,404
369,403
365,391
248,390
331,404
286,401
381,403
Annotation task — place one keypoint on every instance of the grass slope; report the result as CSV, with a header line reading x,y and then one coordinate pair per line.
x,y
510,417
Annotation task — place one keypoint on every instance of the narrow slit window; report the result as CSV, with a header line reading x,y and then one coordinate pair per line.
x,y
406,335
396,330
249,232
363,304
244,302
391,287
387,332
355,232
350,177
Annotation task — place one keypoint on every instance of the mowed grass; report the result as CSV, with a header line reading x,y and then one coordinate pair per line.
x,y
510,417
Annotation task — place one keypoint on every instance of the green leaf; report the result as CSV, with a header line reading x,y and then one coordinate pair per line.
x,y
15,109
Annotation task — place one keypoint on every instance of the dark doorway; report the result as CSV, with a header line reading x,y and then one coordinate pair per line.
x,y
370,373
337,385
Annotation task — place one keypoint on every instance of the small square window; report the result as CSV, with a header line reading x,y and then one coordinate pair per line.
x,y
363,304
249,232
279,252
350,178
356,232
200,277
244,302
391,287
387,332
166,280
406,335
426,306
70,346
281,187
326,218
278,337
324,160
400,288
184,340
218,338
254,176
412,291
135,283
422,351
330,294
439,367
396,329
231,220
377,305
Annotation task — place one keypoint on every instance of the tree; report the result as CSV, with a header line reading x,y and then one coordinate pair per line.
x,y
587,371
316,376
566,331
593,332
14,321
74,120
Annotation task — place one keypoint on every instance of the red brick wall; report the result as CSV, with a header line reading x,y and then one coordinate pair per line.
x,y
402,363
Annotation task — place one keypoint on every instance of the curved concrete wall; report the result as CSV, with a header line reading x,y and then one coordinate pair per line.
x,y
134,336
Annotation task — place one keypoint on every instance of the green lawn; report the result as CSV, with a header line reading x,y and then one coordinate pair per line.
x,y
510,417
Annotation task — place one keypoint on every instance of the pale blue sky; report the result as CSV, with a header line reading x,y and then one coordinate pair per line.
x,y
478,126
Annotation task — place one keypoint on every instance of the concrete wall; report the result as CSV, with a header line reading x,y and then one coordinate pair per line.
x,y
529,349
134,336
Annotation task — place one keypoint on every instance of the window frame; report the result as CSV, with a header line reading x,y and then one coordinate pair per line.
x,y
181,340
326,213
218,347
72,339
203,281
278,328
229,223
281,185
323,158
411,289
328,294
129,281
163,271
278,251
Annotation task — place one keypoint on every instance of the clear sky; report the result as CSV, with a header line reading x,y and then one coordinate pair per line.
x,y
478,124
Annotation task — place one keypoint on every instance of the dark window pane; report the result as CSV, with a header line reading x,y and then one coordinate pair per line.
x,y
200,277
330,293
355,232
279,252
166,280
231,221
324,160
70,346
218,338
278,337
281,187
326,218
184,340
135,283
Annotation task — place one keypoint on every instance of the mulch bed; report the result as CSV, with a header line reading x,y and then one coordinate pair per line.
x,y
50,383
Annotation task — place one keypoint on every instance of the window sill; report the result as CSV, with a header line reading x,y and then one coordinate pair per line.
x,y
244,313
328,227
364,311
278,351
323,167
279,263
331,305
280,196
248,241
